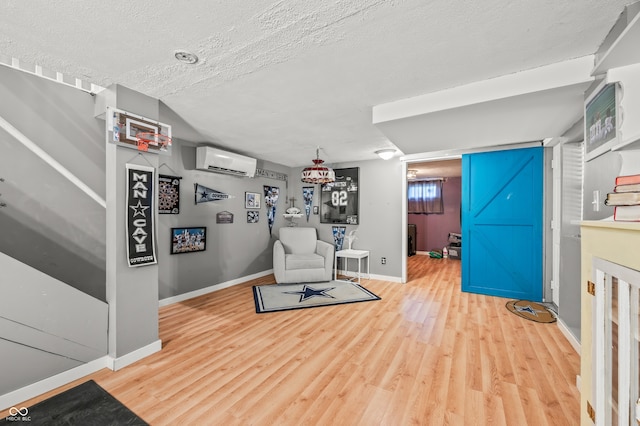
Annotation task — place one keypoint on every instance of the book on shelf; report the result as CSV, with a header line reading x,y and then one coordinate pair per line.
x,y
622,199
627,213
628,180
634,187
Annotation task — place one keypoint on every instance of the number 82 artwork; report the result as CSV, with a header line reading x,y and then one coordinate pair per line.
x,y
339,200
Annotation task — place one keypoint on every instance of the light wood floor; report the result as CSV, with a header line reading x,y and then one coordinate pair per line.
x,y
426,354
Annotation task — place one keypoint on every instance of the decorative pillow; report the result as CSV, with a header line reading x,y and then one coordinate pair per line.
x,y
293,210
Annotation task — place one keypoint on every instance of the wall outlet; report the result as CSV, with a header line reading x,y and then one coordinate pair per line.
x,y
383,260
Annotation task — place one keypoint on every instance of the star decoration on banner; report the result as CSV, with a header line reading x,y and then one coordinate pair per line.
x,y
309,292
139,209
528,309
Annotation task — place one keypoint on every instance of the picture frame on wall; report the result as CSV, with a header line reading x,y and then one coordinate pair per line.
x,y
251,200
253,216
188,239
601,120
224,217
316,210
339,200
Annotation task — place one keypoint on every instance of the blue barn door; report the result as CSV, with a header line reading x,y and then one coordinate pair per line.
x,y
502,213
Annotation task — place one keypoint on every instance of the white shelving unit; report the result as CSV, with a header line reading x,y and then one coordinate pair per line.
x,y
617,342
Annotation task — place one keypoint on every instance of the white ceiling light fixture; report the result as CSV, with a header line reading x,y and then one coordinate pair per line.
x,y
186,57
411,174
318,173
386,154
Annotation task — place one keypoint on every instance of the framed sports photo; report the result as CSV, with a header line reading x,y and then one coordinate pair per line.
x,y
339,200
253,216
188,240
251,200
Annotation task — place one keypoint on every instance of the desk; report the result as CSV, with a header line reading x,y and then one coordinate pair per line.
x,y
352,254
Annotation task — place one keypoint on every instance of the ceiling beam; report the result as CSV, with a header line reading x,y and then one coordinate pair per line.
x,y
561,74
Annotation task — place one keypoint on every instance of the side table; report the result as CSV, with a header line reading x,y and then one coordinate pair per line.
x,y
347,254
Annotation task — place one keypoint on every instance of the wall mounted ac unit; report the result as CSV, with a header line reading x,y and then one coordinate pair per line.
x,y
219,161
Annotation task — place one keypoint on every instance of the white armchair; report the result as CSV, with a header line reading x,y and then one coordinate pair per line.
x,y
299,257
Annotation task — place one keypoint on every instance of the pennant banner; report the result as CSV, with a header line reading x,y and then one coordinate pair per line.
x,y
307,196
140,214
270,200
338,236
168,194
204,194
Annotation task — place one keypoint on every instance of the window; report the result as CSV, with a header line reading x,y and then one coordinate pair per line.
x,y
425,197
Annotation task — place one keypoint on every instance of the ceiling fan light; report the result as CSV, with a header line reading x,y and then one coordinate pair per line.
x,y
318,173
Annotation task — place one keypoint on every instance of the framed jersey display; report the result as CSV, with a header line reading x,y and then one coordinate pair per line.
x,y
339,200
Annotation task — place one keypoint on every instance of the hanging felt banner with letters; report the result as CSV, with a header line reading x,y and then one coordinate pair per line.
x,y
141,241
270,200
204,194
307,196
168,194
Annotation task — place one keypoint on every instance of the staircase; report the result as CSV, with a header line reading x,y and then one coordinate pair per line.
x,y
53,310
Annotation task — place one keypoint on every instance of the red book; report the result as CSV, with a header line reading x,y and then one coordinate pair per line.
x,y
627,213
627,180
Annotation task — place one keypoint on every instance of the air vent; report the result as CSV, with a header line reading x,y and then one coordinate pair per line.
x,y
216,160
227,171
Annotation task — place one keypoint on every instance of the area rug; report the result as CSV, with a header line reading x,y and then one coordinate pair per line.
x,y
285,297
531,310
86,404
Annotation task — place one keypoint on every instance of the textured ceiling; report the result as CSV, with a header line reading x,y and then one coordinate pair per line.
x,y
278,78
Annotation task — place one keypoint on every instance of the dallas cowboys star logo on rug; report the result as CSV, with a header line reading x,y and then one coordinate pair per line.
x,y
528,309
531,310
309,292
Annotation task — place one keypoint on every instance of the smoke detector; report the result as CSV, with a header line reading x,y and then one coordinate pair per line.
x,y
186,57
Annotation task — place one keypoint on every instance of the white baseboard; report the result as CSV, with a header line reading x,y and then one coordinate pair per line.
x,y
569,335
117,363
386,278
10,399
50,383
211,289
370,276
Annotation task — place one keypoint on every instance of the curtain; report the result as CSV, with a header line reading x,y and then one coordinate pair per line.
x,y
425,197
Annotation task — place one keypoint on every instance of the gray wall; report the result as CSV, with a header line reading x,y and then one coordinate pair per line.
x,y
600,174
233,250
380,227
131,292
